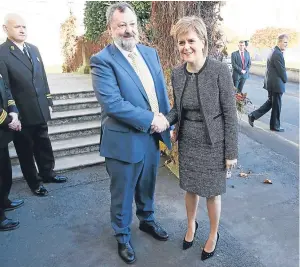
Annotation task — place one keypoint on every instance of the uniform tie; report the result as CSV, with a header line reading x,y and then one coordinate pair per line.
x,y
143,77
26,53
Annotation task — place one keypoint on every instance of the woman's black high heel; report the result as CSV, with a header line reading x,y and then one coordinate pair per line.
x,y
186,244
205,255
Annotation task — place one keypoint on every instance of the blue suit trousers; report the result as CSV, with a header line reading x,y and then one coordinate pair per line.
x,y
133,180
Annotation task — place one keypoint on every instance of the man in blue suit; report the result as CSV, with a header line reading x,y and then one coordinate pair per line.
x,y
241,63
129,85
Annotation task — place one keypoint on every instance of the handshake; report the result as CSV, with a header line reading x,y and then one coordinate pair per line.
x,y
15,124
159,123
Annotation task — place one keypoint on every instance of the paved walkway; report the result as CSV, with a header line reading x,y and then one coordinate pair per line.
x,y
71,227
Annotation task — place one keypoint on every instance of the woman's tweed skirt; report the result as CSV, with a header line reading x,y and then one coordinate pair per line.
x,y
201,166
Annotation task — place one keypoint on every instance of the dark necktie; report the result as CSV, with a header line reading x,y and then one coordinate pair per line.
x,y
26,53
243,60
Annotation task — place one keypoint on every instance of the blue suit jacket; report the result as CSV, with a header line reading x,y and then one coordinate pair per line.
x,y
126,115
237,65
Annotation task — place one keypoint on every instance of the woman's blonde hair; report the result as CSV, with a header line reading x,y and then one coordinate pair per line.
x,y
192,23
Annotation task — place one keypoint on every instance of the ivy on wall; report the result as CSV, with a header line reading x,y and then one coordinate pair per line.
x,y
95,19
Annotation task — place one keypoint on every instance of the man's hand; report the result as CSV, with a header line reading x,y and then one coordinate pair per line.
x,y
15,124
243,71
159,123
51,110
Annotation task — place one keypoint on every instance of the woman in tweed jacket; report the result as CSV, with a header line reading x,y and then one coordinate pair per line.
x,y
205,113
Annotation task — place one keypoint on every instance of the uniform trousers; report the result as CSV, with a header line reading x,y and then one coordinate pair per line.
x,y
5,179
33,143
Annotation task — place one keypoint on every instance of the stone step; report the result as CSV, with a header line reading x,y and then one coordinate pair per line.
x,y
75,103
57,132
71,95
67,147
68,162
72,130
73,116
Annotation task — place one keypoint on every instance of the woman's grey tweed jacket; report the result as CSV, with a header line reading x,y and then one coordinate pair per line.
x,y
216,95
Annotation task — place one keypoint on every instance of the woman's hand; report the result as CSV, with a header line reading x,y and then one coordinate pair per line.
x,y
231,163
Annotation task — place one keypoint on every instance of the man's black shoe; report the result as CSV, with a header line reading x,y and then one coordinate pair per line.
x,y
8,224
126,252
41,191
12,205
155,230
55,179
277,129
251,119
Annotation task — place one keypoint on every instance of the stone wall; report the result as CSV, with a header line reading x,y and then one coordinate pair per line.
x,y
259,69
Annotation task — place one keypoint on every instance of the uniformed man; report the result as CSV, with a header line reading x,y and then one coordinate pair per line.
x,y
22,69
8,122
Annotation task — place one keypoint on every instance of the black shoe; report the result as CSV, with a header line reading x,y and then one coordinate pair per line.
x,y
205,255
55,179
155,230
251,120
12,205
281,130
186,244
8,224
126,252
41,191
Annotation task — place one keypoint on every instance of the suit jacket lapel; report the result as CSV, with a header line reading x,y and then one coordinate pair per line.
x,y
123,62
15,51
33,58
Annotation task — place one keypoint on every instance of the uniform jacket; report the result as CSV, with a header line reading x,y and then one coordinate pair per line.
x,y
126,115
7,105
27,82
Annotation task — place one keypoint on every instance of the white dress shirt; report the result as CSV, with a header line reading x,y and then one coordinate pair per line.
x,y
145,74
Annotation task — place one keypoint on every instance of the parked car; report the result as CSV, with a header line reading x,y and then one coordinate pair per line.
x,y
227,60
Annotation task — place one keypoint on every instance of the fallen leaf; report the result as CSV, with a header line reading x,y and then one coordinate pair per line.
x,y
268,181
243,174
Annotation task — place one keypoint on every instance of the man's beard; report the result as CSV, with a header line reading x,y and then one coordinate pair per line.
x,y
129,44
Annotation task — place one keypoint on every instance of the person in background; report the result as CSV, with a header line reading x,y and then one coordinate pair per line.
x,y
274,83
23,71
9,122
241,63
217,52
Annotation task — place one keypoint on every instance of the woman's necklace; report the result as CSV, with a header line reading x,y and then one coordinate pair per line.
x,y
194,72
